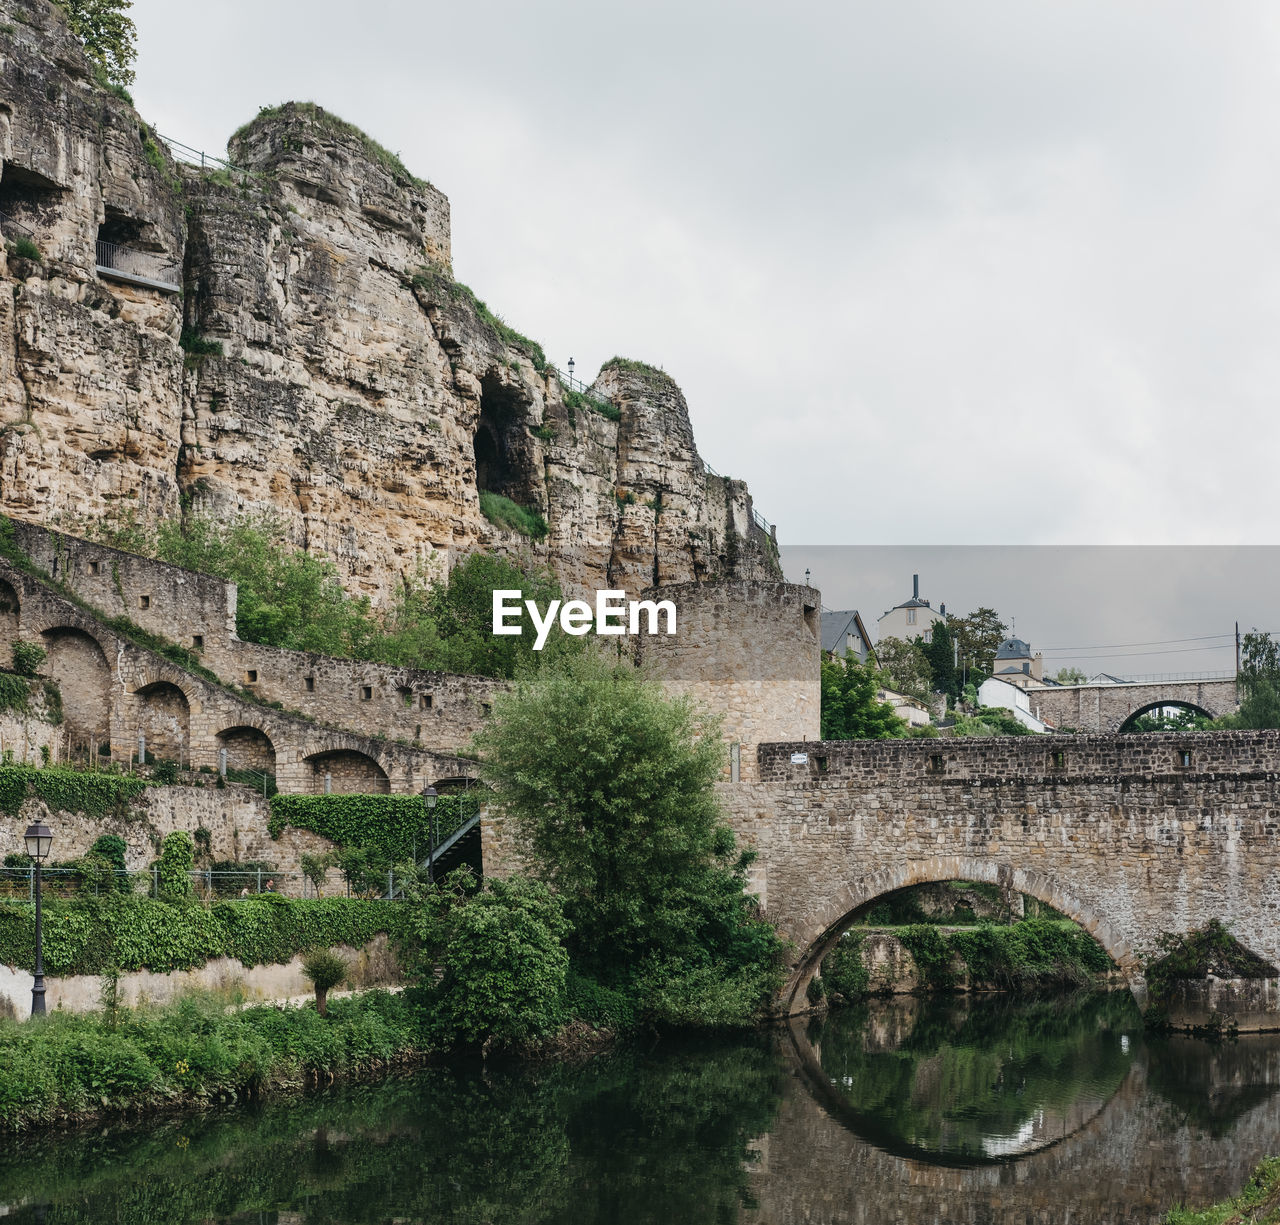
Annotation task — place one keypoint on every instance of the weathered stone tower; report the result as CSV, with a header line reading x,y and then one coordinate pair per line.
x,y
749,651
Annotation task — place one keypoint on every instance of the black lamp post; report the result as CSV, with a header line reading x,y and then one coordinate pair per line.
x,y
429,797
39,839
571,372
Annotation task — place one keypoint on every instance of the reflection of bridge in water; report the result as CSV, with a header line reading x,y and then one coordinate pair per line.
x,y
1127,1160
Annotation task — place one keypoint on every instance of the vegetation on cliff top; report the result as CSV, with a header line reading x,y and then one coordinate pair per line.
x,y
331,123
435,280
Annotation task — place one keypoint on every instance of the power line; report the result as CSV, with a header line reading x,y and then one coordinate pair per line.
x,y
1134,654
1110,646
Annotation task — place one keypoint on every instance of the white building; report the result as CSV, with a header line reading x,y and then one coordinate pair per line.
x,y
1013,698
913,618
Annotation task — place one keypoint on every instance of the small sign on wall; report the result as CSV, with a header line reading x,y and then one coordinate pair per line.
x,y
799,759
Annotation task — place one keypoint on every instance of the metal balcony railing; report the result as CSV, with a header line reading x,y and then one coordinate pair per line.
x,y
148,268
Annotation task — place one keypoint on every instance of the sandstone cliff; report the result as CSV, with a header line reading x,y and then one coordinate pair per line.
x,y
288,337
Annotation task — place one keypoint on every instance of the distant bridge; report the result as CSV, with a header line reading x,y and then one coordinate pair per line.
x,y
1107,708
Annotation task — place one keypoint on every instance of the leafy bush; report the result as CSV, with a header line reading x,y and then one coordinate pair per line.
x,y
504,965
843,972
192,1051
177,858
1210,949
27,658
505,513
24,248
198,346
15,693
575,400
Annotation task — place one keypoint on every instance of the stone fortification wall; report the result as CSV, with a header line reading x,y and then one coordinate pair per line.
x,y
114,691
1131,837
235,817
194,610
749,652
436,710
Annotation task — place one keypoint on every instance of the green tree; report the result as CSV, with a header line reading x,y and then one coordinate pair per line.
x,y
1070,676
608,784
978,636
940,651
108,34
850,708
1259,681
905,667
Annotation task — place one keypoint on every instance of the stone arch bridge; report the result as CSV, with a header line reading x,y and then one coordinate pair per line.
x,y
1129,836
1107,708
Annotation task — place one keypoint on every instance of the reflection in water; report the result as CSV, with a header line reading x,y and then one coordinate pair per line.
x,y
965,1082
956,1113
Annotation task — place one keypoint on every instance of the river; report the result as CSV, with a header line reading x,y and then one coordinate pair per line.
x,y
978,1111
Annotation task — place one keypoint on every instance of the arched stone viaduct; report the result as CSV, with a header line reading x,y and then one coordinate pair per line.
x,y
114,690
1129,836
1106,708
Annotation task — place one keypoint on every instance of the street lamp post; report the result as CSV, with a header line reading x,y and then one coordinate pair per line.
x,y
429,797
39,839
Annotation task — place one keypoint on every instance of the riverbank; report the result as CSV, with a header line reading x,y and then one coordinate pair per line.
x,y
70,1069
1257,1204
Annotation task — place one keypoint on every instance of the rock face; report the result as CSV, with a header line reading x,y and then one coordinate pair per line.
x,y
336,377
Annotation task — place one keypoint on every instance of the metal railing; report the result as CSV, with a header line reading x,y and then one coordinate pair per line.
x,y
567,380
12,223
210,884
757,518
1157,678
146,265
198,157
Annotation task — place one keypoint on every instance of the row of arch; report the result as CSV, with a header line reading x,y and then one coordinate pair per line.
x,y
158,711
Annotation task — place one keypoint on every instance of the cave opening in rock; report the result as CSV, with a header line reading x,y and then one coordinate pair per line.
x,y
27,198
503,450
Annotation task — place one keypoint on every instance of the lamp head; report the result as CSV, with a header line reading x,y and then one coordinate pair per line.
x,y
39,839
430,795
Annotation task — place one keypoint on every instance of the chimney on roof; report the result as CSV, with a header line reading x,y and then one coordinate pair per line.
x,y
942,610
915,586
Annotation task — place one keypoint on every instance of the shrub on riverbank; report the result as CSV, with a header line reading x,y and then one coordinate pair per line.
x,y
192,1052
1257,1204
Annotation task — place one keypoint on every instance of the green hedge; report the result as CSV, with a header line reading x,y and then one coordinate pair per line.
x,y
196,1050
391,827
90,935
94,794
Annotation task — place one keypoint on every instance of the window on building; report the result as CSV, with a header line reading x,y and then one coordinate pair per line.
x,y
366,693
251,676
911,616
144,601
197,641
309,684
406,695
426,701
94,567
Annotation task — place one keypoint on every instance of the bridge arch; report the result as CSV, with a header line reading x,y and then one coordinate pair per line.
x,y
1125,727
830,922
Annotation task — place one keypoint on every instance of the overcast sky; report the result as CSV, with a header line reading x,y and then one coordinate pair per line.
x,y
927,272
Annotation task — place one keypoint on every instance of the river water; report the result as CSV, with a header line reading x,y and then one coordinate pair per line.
x,y
981,1110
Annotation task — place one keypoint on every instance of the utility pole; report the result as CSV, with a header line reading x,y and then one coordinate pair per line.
x,y
1237,649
